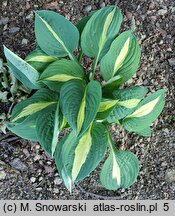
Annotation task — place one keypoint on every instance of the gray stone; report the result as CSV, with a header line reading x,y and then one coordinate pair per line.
x,y
56,190
170,176
30,16
57,181
2,175
32,179
14,30
4,3
24,41
171,61
88,8
4,20
18,164
162,12
102,5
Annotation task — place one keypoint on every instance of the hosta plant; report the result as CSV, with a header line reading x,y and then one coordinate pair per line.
x,y
66,95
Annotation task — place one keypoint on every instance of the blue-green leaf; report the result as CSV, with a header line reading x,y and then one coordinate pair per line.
x,y
23,71
55,35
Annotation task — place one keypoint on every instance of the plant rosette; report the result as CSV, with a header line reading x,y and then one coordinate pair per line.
x,y
66,95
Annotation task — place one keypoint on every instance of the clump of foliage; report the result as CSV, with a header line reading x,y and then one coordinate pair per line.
x,y
66,95
11,91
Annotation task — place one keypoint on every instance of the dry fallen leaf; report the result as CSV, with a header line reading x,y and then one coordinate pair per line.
x,y
50,5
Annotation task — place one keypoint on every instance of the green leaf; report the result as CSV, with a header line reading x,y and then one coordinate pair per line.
x,y
82,23
40,100
111,86
100,31
146,132
122,58
145,113
61,71
39,59
54,34
25,129
79,103
128,99
24,72
106,106
60,165
47,128
81,156
120,170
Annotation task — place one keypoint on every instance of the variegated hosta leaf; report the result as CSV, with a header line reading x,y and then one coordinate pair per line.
x,y
80,156
40,100
120,170
25,129
122,58
61,71
59,162
128,99
146,112
146,132
111,86
100,31
23,71
106,106
47,127
79,103
55,35
82,23
39,59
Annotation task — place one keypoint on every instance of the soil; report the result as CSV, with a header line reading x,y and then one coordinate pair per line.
x,y
26,172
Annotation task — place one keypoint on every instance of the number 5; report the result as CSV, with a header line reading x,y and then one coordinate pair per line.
x,y
166,206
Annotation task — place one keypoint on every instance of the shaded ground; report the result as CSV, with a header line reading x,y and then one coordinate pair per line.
x,y
27,173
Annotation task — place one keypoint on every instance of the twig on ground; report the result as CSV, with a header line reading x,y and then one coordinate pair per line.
x,y
82,190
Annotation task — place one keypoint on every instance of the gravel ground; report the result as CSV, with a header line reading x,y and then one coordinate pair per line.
x,y
26,172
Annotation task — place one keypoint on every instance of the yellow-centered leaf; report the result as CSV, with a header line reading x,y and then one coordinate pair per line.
x,y
145,109
54,34
105,105
106,27
32,108
81,153
131,103
42,58
81,113
116,171
121,57
61,78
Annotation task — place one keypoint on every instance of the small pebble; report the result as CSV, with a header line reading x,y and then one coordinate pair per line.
x,y
171,61
24,41
40,178
37,158
57,181
87,9
30,16
162,12
27,5
2,175
56,190
4,20
18,164
4,3
161,42
102,5
39,189
37,147
128,15
32,179
170,176
14,30
164,164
